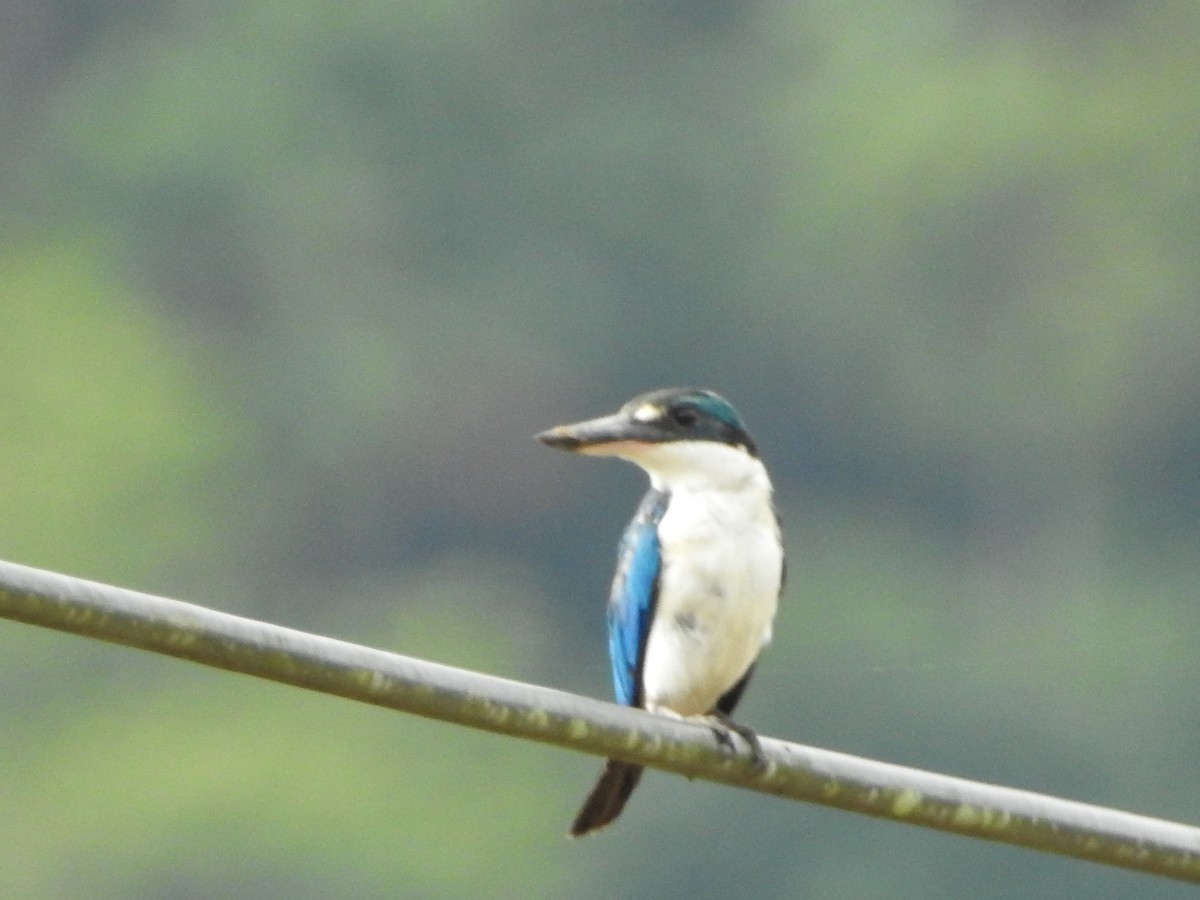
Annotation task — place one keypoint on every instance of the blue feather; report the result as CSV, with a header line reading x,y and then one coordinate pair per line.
x,y
634,594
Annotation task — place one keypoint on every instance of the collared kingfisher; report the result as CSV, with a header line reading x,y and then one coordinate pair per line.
x,y
699,571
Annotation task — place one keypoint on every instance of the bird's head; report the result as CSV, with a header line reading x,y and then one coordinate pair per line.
x,y
678,435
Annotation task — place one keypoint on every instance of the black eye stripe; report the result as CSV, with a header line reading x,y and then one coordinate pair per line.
x,y
685,415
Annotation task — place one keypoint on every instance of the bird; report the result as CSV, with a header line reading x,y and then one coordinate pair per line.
x,y
700,568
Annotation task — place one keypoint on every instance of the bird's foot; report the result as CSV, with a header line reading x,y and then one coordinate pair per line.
x,y
724,728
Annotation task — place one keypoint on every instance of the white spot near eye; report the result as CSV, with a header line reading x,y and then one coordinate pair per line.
x,y
647,412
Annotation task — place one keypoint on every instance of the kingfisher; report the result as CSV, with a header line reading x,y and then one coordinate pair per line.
x,y
699,570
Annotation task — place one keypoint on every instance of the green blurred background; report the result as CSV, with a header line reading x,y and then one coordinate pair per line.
x,y
285,288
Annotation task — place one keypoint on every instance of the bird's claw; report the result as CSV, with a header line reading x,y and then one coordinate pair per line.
x,y
724,728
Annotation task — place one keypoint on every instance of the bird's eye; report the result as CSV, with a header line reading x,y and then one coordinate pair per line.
x,y
685,416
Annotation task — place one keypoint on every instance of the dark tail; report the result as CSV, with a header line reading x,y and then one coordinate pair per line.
x,y
607,798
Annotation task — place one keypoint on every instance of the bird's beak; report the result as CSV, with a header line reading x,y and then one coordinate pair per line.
x,y
606,436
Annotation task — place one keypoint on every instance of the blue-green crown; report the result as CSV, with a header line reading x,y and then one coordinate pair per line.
x,y
692,414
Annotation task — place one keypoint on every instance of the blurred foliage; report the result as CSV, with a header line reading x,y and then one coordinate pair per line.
x,y
108,432
286,287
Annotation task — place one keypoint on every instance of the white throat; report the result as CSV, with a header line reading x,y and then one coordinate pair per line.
x,y
698,466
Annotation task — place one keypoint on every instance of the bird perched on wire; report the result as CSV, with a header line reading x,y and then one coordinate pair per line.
x,y
699,571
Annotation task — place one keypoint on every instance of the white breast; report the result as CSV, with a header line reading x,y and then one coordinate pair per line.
x,y
719,586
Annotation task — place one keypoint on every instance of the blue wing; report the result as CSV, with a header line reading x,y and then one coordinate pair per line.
x,y
634,593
